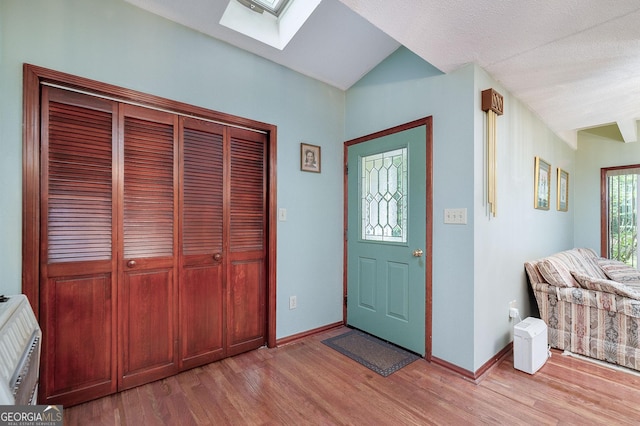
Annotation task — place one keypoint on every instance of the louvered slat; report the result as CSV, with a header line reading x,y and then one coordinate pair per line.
x,y
203,192
79,184
247,195
148,188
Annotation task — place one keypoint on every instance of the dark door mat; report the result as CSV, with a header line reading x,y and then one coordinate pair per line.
x,y
382,357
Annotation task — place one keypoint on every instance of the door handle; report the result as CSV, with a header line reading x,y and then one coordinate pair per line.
x,y
418,253
217,257
131,263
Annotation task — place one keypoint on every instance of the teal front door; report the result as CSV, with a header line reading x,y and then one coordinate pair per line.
x,y
388,234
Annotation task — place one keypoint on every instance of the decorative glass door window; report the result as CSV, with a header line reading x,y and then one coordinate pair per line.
x,y
384,196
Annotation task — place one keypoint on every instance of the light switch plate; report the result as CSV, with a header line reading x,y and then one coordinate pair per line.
x,y
455,216
282,214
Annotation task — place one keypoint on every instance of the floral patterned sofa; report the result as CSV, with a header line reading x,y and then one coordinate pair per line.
x,y
591,305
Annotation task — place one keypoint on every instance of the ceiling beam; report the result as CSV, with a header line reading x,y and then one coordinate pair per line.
x,y
628,130
570,137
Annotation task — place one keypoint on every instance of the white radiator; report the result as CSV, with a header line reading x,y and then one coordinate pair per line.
x,y
20,338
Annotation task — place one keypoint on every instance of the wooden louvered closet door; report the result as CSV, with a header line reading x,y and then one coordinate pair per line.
x,y
202,286
148,298
223,275
78,280
153,244
246,273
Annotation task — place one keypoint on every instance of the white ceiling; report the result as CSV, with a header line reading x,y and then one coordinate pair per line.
x,y
576,63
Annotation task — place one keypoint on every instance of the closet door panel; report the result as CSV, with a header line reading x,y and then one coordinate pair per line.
x,y
77,287
78,348
147,305
202,250
149,343
246,317
201,316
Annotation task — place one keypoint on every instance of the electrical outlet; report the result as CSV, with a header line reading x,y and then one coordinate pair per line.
x,y
513,304
293,302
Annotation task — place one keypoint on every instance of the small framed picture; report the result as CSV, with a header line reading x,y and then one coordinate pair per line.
x,y
563,190
309,158
542,188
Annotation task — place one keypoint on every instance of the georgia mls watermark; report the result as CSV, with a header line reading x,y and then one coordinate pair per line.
x,y
31,415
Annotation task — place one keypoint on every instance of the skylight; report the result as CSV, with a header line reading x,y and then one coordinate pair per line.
x,y
268,28
274,7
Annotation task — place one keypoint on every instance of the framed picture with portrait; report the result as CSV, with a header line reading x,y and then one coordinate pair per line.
x,y
542,186
563,190
310,158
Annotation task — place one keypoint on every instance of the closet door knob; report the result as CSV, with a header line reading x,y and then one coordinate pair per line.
x,y
131,263
217,257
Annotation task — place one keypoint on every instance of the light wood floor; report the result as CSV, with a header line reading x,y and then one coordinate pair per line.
x,y
306,382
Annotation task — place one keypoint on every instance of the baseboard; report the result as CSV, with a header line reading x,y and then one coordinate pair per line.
x,y
294,337
478,375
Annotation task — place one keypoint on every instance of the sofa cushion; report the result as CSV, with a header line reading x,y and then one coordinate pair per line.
x,y
619,271
556,269
607,286
587,252
555,273
535,277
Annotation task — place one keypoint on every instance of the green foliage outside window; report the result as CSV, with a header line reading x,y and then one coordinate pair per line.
x,y
623,218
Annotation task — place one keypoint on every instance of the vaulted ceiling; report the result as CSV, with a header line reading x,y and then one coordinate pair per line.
x,y
576,63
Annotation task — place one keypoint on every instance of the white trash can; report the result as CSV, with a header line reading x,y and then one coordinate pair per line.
x,y
530,345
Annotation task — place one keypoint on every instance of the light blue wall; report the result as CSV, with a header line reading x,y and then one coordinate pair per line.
x,y
114,42
518,232
404,88
478,267
595,152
